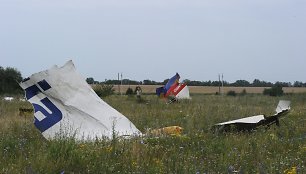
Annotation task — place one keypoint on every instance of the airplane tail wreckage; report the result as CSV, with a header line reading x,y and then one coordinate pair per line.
x,y
66,106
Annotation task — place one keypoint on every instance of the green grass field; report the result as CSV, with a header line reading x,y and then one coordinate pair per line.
x,y
198,150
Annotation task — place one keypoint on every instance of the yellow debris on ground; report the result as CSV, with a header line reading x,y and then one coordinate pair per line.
x,y
170,130
291,171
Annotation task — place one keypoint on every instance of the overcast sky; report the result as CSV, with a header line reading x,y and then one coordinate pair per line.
x,y
154,39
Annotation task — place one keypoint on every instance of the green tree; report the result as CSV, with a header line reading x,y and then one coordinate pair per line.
x,y
149,82
9,81
258,83
241,83
298,84
90,80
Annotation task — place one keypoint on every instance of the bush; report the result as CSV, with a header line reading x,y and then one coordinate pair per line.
x,y
129,91
104,90
243,92
274,91
231,93
9,79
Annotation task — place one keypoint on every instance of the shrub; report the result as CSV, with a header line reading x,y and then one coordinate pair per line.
x,y
231,93
129,91
266,91
274,91
104,90
243,92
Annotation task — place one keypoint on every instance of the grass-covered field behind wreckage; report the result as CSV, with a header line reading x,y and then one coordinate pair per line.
x,y
198,150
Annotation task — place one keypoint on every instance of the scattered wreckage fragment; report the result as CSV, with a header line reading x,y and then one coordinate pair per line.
x,y
253,122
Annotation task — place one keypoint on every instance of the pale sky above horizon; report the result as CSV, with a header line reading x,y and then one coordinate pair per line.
x,y
154,39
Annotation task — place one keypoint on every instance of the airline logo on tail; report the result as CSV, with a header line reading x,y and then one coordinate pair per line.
x,y
51,118
169,87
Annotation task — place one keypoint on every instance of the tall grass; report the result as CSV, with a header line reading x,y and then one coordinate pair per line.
x,y
198,150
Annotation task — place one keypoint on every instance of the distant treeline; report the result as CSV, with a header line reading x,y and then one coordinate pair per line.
x,y
10,77
238,83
